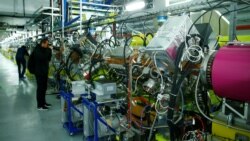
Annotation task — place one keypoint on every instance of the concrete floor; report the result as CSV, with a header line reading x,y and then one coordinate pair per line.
x,y
19,118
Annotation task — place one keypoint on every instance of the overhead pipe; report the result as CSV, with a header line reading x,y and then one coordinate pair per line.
x,y
52,17
108,2
24,8
243,17
96,4
175,9
243,27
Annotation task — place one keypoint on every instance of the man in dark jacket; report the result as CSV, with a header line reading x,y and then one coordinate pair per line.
x,y
20,60
42,58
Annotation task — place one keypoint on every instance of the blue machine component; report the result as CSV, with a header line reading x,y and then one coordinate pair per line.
x,y
67,23
71,21
65,11
62,85
68,124
108,2
162,18
92,107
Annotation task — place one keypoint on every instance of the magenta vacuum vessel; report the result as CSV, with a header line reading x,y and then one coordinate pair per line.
x,y
228,72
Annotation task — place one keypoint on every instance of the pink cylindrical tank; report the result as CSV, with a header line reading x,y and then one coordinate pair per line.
x,y
230,72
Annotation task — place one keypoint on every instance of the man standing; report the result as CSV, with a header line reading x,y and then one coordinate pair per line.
x,y
20,60
42,56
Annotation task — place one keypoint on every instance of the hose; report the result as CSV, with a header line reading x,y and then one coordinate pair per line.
x,y
204,115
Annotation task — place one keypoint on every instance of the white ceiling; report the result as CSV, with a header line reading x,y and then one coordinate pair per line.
x,y
15,13
21,7
18,12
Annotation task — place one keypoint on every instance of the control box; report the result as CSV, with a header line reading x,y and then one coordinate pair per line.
x,y
170,36
104,89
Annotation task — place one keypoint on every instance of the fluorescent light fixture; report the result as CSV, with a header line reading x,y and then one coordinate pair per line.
x,y
135,5
179,2
167,3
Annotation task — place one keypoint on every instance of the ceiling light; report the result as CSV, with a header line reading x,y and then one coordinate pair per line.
x,y
167,3
135,5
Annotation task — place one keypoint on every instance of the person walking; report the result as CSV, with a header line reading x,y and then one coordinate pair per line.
x,y
42,57
21,62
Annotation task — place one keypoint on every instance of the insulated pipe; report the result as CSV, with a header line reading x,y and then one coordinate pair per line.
x,y
230,72
243,27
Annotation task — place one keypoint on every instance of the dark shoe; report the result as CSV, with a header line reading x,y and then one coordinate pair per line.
x,y
43,108
48,105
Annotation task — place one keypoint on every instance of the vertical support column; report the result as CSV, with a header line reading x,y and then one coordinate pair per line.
x,y
223,106
233,22
63,20
95,121
247,111
70,13
80,2
63,5
37,32
114,31
27,33
52,17
129,92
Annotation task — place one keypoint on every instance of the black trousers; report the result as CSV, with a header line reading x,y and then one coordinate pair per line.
x,y
21,64
41,81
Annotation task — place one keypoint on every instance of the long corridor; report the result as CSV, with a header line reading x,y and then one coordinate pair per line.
x,y
19,118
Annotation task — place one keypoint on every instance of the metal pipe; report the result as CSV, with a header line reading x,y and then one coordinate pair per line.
x,y
110,101
123,17
233,21
233,110
243,27
177,8
242,17
130,77
96,4
63,19
52,18
24,8
51,14
80,2
246,111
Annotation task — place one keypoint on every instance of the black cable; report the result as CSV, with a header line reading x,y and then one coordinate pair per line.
x,y
204,14
175,91
94,61
207,28
226,9
146,38
228,13
105,28
121,28
89,36
113,44
69,64
127,45
176,85
144,25
245,2
209,4
110,39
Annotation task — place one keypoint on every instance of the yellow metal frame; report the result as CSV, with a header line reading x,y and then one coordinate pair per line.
x,y
227,132
223,40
